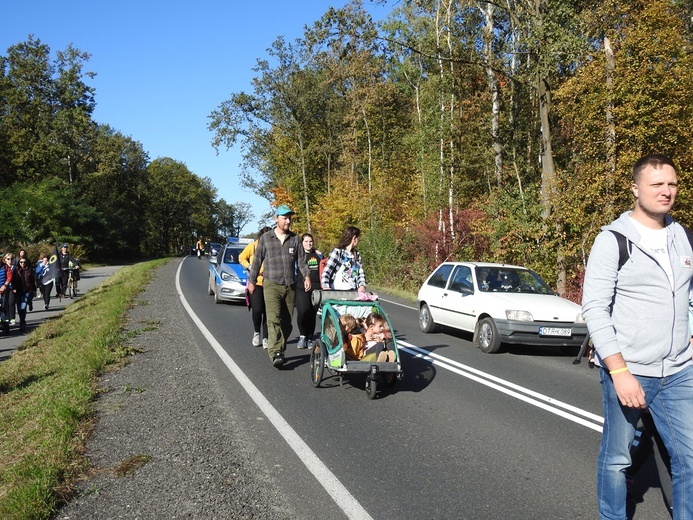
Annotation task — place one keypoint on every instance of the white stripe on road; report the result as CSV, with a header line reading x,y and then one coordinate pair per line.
x,y
547,403
345,500
544,402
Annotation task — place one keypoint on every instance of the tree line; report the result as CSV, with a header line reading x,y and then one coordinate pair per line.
x,y
473,130
66,178
498,130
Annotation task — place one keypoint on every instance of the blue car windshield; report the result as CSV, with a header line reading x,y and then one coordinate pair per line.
x,y
231,255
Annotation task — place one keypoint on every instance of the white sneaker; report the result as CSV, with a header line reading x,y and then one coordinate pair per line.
x,y
301,342
264,343
256,339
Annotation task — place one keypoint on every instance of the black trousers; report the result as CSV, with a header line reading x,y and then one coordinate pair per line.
x,y
305,312
257,311
46,292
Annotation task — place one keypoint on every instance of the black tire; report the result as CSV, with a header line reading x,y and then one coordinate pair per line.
x,y
210,289
487,337
72,290
216,297
389,379
317,363
371,387
426,323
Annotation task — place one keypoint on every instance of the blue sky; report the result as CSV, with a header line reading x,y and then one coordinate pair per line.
x,y
163,66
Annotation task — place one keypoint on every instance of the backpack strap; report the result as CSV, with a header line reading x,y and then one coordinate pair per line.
x,y
624,248
689,235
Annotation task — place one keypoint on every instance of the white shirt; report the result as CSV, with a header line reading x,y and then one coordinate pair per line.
x,y
654,241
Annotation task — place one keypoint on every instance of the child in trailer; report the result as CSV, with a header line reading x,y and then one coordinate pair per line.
x,y
376,349
352,337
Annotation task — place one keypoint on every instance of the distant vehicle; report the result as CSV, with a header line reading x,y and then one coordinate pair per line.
x,y
213,249
499,304
227,278
236,240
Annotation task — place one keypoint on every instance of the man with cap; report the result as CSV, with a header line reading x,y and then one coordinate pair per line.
x,y
278,252
66,261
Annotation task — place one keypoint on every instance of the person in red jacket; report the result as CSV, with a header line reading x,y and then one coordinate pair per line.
x,y
6,273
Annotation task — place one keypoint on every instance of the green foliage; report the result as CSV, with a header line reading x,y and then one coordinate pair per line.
x,y
63,177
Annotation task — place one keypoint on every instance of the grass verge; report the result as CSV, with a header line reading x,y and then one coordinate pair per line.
x,y
46,392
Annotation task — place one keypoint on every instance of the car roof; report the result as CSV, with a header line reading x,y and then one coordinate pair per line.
x,y
486,264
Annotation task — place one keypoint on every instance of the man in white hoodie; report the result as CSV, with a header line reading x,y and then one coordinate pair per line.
x,y
637,316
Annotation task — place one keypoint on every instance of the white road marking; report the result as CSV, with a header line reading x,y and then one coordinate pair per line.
x,y
345,500
545,402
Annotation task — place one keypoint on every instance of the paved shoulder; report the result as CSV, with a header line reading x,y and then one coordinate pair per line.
x,y
89,279
166,444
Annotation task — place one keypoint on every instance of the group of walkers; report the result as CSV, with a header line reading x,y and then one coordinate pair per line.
x,y
283,270
20,280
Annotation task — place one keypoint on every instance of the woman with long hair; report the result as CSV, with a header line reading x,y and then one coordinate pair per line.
x,y
344,268
306,312
23,287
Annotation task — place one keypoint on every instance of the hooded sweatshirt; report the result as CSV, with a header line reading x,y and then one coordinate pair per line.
x,y
635,311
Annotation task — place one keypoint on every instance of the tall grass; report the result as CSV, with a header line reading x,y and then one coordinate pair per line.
x,y
46,392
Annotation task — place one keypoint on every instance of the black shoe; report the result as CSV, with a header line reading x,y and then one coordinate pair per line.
x,y
31,307
278,360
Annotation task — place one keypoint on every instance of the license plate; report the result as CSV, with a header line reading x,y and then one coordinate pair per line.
x,y
553,331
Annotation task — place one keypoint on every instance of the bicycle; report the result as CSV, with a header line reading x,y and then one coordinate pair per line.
x,y
71,283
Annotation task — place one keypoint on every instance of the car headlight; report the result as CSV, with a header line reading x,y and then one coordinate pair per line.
x,y
230,277
579,318
513,315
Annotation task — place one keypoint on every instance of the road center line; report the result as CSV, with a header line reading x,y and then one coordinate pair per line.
x,y
345,500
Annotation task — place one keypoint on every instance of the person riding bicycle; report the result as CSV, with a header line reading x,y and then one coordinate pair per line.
x,y
199,247
67,263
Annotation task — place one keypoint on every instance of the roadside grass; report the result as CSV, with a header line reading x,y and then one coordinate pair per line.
x,y
399,293
47,390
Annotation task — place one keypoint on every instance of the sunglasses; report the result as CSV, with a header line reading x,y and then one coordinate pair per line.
x,y
22,261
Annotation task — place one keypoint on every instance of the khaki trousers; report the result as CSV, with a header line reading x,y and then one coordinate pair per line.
x,y
279,308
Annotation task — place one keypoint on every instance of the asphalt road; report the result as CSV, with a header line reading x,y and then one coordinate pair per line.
x,y
89,279
464,435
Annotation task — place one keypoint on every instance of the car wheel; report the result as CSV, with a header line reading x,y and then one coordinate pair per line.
x,y
210,287
487,337
216,297
426,323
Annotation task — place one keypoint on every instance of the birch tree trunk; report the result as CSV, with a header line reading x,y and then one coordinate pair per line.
x,y
488,11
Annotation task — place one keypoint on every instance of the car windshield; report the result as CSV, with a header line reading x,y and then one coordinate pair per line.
x,y
231,255
504,279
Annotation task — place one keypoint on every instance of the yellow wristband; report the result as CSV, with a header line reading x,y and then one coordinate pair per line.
x,y
618,370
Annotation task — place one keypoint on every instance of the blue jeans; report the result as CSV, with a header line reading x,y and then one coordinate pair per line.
x,y
670,401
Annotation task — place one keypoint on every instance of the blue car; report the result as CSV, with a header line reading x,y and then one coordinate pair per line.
x,y
227,278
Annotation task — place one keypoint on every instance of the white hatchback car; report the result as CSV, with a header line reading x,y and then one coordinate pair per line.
x,y
500,304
